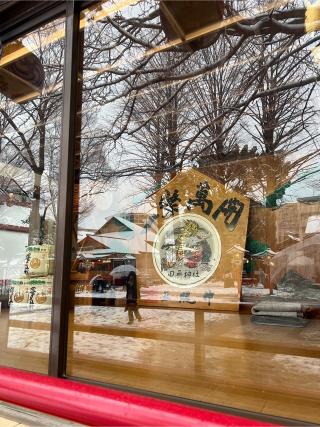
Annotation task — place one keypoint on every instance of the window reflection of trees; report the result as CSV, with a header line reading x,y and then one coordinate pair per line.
x,y
248,97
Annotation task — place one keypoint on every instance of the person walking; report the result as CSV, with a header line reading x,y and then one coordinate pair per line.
x,y
132,298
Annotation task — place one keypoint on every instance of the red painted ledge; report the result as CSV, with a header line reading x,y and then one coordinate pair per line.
x,y
98,406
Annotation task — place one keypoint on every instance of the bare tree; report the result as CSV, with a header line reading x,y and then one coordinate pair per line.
x,y
207,102
30,138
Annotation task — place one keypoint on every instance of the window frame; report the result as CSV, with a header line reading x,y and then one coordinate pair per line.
x,y
39,15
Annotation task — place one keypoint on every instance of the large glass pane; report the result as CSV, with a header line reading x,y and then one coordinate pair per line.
x,y
31,78
195,266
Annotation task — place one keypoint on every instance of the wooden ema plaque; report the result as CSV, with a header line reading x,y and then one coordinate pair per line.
x,y
197,256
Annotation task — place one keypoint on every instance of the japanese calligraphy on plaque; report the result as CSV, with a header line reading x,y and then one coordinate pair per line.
x,y
198,251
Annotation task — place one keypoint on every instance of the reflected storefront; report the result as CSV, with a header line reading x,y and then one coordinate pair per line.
x,y
160,200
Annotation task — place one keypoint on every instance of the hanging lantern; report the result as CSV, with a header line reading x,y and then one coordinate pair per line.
x,y
22,74
181,18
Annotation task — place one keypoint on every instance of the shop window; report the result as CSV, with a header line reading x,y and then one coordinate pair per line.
x,y
31,79
195,273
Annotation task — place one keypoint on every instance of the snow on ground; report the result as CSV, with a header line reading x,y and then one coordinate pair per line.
x,y
93,344
121,348
28,339
152,319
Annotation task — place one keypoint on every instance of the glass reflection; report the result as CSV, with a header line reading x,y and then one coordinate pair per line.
x,y
196,218
31,77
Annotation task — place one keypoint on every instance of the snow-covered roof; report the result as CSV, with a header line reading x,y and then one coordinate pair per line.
x,y
123,246
134,230
14,215
134,240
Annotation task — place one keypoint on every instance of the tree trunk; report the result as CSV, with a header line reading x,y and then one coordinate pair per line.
x,y
34,222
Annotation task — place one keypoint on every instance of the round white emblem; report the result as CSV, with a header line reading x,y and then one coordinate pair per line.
x,y
186,250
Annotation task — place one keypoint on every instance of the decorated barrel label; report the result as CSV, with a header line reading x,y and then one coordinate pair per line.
x,y
39,260
31,291
20,290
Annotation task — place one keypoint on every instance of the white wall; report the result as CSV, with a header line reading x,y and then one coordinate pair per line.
x,y
12,253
